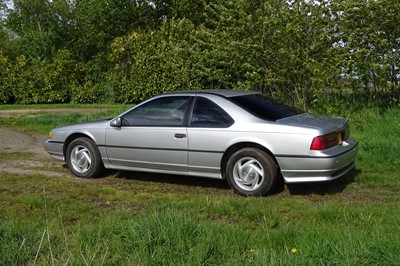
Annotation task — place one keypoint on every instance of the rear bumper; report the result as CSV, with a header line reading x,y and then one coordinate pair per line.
x,y
55,149
324,167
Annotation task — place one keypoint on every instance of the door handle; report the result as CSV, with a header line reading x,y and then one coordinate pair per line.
x,y
180,135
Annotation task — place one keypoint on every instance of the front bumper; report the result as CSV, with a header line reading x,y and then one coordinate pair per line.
x,y
55,149
324,167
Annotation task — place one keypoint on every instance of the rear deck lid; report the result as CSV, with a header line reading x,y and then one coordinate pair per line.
x,y
325,123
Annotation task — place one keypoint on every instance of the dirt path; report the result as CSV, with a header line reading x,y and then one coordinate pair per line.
x,y
34,112
14,141
23,153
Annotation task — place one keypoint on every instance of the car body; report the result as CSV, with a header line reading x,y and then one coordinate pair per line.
x,y
242,136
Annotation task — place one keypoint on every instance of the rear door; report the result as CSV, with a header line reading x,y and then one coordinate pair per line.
x,y
152,136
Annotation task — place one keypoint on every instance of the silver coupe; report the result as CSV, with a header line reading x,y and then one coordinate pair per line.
x,y
241,136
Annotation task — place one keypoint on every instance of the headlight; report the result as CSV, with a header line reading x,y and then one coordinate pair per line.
x,y
51,135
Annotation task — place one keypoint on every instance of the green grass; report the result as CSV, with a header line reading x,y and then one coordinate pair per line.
x,y
96,221
15,156
147,219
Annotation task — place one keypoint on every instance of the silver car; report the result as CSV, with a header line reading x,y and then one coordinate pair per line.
x,y
242,136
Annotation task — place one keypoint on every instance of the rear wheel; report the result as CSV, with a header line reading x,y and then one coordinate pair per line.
x,y
83,158
251,172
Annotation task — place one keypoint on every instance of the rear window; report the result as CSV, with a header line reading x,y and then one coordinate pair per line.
x,y
264,108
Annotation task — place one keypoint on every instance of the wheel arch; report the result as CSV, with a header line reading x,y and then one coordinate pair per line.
x,y
73,137
238,146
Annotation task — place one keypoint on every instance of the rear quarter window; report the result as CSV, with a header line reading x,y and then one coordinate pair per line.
x,y
208,114
263,107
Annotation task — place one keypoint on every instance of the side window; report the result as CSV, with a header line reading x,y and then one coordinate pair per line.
x,y
164,111
208,114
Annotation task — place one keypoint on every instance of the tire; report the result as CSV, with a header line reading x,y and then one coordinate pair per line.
x,y
251,172
84,159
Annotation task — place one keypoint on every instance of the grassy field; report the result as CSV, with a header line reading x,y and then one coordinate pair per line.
x,y
146,219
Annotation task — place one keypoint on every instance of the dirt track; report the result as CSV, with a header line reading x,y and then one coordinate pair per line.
x,y
34,112
23,153
26,154
26,151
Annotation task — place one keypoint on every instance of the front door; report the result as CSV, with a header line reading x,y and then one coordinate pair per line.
x,y
152,136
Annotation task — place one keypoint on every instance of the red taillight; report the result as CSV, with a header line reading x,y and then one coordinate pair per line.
x,y
325,141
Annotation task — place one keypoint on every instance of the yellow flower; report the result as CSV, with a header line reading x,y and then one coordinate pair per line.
x,y
293,250
252,250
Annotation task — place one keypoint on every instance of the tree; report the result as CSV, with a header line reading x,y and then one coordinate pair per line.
x,y
32,23
369,38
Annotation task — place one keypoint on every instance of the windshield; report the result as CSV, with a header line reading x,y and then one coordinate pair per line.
x,y
264,108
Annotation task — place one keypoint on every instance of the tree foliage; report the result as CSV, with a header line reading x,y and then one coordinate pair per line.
x,y
309,53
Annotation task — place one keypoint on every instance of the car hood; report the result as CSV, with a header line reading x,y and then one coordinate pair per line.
x,y
325,123
87,125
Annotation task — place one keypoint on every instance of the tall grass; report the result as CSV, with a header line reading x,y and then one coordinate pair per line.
x,y
327,234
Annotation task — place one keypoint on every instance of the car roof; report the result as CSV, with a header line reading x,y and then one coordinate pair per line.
x,y
223,93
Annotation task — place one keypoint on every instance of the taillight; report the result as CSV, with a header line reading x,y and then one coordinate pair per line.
x,y
330,140
325,141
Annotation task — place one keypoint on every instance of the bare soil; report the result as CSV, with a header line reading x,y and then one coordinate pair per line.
x,y
22,153
15,143
34,112
25,143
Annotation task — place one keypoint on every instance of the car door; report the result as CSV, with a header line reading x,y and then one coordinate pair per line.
x,y
151,136
208,133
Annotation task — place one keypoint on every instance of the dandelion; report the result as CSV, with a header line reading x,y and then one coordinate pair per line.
x,y
252,250
293,250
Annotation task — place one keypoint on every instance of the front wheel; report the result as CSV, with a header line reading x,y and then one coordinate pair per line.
x,y
83,158
251,172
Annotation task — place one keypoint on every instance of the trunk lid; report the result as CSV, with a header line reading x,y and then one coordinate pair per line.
x,y
325,123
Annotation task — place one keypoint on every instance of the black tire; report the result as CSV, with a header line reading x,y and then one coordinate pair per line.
x,y
251,172
83,158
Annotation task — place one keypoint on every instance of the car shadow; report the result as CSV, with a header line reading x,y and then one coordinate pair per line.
x,y
320,188
324,188
190,181
182,180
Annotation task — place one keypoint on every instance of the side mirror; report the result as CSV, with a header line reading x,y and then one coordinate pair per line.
x,y
117,122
